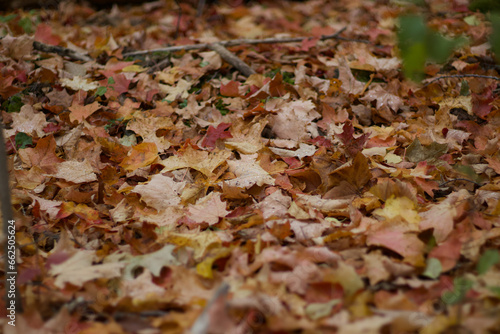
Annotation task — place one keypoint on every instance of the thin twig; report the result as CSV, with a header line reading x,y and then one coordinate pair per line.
x,y
459,179
65,52
159,66
232,59
240,42
461,76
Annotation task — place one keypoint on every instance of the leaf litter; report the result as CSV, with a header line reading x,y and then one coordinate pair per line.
x,y
325,193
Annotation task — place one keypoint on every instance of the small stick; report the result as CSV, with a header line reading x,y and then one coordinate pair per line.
x,y
460,76
232,59
65,52
453,180
239,42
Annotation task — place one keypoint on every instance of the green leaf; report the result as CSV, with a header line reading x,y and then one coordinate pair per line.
x,y
7,18
183,104
416,152
111,81
221,106
484,5
464,88
26,24
412,44
495,35
418,44
433,268
22,140
440,47
487,260
204,63
460,288
472,20
101,91
13,104
495,290
289,77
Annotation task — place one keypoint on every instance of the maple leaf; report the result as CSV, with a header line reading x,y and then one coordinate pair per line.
x,y
208,209
349,84
80,269
440,217
141,155
294,120
199,241
160,192
383,98
42,155
79,83
303,151
246,138
28,121
352,145
154,262
141,288
216,133
400,239
202,161
75,171
146,127
248,172
87,214
356,173
397,208
81,112
275,204
180,90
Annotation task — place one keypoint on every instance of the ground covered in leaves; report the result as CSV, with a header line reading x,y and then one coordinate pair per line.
x,y
327,193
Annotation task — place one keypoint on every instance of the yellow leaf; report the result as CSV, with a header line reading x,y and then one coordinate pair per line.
x,y
399,207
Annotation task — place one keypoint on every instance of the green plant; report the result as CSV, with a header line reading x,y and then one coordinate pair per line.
x,y
419,44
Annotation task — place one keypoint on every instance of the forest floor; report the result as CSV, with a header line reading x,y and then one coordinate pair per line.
x,y
317,190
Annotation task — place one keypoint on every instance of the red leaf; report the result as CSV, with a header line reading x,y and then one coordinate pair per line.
x,y
231,89
352,145
216,133
482,102
44,34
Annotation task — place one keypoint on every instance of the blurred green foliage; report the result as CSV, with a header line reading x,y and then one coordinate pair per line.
x,y
419,44
495,34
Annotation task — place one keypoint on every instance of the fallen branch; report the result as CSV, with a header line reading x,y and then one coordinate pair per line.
x,y
232,59
64,52
242,41
461,76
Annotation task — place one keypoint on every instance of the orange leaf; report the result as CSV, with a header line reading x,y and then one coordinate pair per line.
x,y
80,112
142,155
81,210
